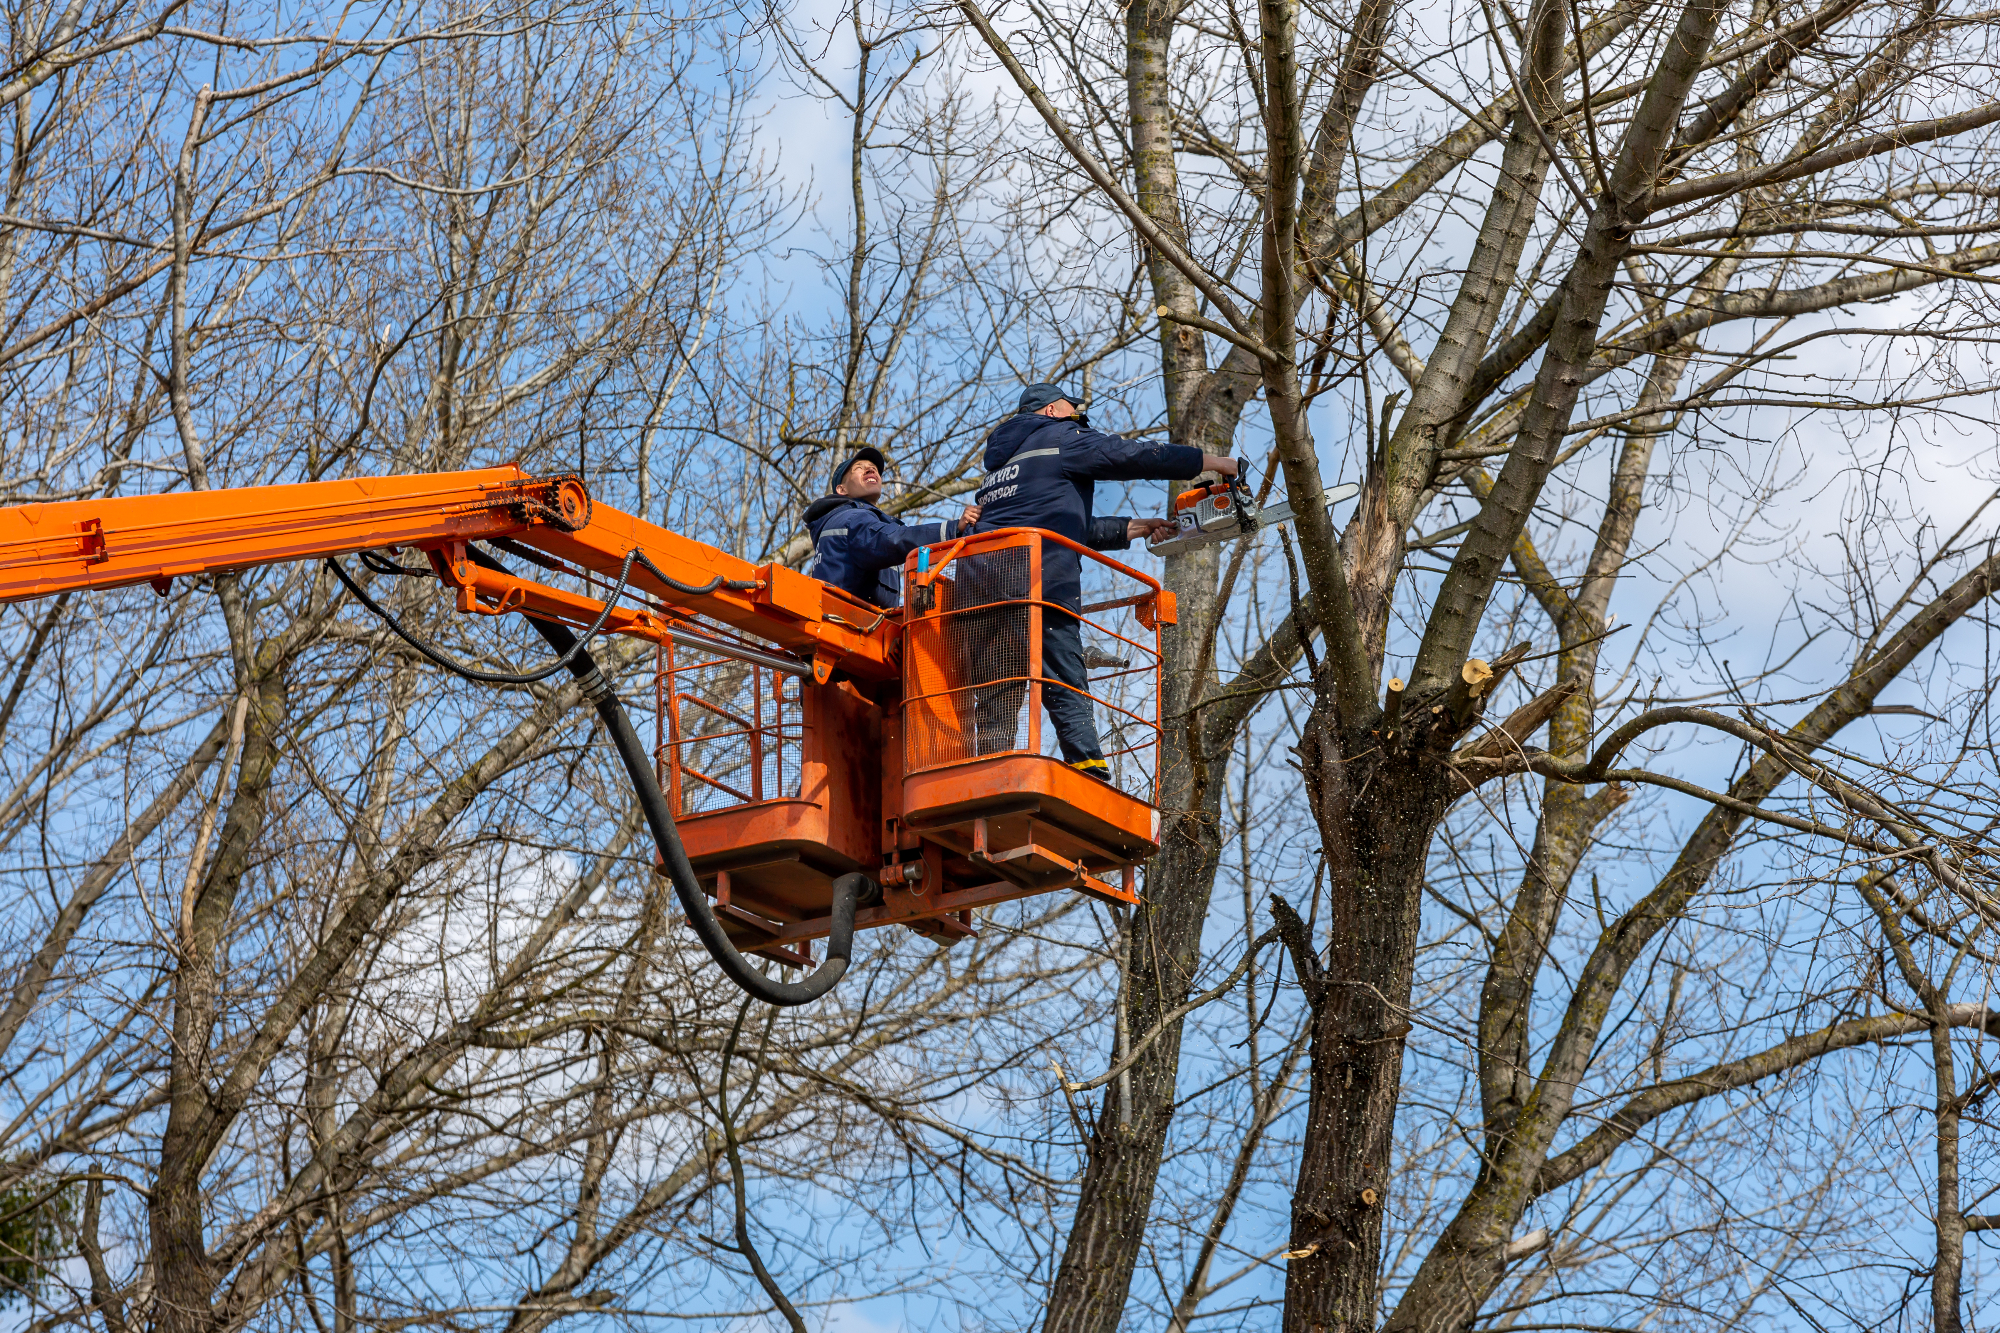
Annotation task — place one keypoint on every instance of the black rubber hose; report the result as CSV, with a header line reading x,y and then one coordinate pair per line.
x,y
445,660
533,556
847,890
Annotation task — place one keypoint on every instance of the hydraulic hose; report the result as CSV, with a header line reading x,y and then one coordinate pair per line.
x,y
847,890
445,660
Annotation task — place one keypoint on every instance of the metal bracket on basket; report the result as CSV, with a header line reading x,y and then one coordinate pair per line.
x,y
923,592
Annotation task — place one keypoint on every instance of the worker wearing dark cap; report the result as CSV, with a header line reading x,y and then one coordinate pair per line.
x,y
858,547
1042,467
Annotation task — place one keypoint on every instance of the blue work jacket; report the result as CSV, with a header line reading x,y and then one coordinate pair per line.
x,y
859,548
1041,472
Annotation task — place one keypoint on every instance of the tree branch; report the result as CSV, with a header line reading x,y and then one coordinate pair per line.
x,y
1103,179
1903,136
1650,1105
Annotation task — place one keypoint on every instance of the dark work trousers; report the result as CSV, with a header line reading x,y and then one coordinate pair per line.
x,y
997,708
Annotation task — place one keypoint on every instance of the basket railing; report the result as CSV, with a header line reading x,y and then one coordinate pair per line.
x,y
726,732
974,683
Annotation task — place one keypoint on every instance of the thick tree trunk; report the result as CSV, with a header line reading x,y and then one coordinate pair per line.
x,y
1377,818
1129,1137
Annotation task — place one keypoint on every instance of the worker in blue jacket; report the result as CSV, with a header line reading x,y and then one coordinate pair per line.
x,y
1042,467
858,547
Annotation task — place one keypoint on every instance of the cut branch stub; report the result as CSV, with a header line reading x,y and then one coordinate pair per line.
x,y
1477,680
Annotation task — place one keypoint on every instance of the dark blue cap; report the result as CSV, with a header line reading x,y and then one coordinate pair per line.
x,y
840,469
1038,396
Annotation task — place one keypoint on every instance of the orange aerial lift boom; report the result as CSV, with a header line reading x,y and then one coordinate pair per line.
x,y
819,766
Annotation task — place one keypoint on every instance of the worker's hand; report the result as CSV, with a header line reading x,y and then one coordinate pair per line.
x,y
1142,529
1221,465
970,517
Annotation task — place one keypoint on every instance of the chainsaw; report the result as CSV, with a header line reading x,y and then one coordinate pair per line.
x,y
1225,511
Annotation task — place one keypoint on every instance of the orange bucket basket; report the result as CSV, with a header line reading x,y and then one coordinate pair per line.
x,y
979,775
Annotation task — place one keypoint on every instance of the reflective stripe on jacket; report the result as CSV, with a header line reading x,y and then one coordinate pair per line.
x,y
1042,473
859,548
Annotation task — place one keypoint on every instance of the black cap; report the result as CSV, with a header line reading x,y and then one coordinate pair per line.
x,y
866,451
1038,396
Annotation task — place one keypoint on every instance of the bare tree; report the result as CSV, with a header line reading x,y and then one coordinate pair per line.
x,y
943,285
337,996
1599,230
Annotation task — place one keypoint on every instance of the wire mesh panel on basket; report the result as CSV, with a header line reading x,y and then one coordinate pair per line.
x,y
969,663
1121,661
731,733
1123,690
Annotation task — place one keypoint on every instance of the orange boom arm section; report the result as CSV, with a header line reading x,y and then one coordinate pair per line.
x,y
47,549
818,765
